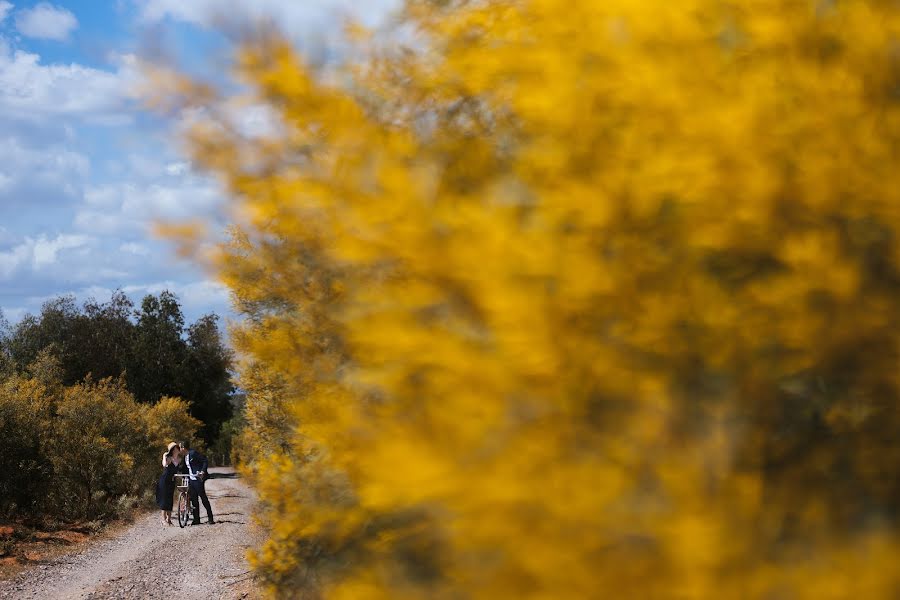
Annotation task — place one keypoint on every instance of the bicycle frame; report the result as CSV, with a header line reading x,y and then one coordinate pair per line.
x,y
184,502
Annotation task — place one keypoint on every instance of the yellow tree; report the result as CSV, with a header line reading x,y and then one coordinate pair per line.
x,y
576,299
98,447
26,408
169,420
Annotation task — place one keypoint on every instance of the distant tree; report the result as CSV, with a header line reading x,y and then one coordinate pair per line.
x,y
206,376
25,414
151,347
47,368
227,449
107,336
7,366
160,352
56,325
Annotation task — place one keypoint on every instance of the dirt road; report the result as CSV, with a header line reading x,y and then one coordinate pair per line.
x,y
148,560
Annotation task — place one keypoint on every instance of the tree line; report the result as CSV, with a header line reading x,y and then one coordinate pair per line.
x,y
90,395
150,347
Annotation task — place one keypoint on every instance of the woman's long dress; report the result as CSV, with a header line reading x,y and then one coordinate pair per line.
x,y
165,488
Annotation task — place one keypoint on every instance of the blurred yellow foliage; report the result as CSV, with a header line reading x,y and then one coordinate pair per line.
x,y
574,300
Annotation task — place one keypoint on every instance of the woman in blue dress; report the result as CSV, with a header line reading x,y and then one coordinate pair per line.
x,y
165,487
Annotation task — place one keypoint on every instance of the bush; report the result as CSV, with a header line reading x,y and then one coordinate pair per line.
x,y
100,448
26,407
226,450
169,420
85,451
575,300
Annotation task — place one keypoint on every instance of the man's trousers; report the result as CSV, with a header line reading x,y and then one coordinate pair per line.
x,y
197,489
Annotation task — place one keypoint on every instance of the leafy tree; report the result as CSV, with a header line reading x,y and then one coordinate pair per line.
x,y
57,326
99,444
107,340
26,407
576,300
96,339
160,351
269,421
7,366
169,421
207,375
151,347
227,448
47,368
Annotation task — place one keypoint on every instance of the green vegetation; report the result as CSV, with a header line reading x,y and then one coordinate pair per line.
x,y
150,347
90,396
83,451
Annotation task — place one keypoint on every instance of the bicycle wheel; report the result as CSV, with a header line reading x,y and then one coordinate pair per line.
x,y
184,509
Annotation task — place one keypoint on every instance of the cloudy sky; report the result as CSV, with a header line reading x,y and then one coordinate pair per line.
x,y
84,172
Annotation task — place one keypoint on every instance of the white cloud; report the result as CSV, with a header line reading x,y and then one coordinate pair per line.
x,y
134,248
38,252
45,251
120,208
193,295
44,266
5,7
56,167
29,89
178,168
39,174
45,21
16,156
13,259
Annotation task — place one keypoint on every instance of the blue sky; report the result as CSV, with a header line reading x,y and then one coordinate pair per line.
x,y
84,171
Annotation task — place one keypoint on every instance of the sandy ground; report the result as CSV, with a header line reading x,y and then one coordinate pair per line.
x,y
149,560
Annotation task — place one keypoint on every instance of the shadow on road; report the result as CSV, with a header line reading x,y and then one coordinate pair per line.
x,y
223,521
213,475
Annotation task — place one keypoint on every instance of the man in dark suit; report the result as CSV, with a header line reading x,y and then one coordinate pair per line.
x,y
196,465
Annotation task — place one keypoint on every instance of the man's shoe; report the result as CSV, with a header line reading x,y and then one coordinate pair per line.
x,y
195,522
210,522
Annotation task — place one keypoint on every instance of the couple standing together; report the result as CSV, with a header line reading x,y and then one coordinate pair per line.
x,y
179,458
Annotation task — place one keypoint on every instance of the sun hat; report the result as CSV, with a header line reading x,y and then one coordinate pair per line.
x,y
170,446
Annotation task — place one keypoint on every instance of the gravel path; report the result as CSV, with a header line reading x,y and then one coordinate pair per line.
x,y
149,560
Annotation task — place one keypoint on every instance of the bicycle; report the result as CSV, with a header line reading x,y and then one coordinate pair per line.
x,y
184,499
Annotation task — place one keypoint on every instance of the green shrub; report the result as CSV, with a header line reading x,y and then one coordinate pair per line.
x,y
25,412
100,446
88,451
